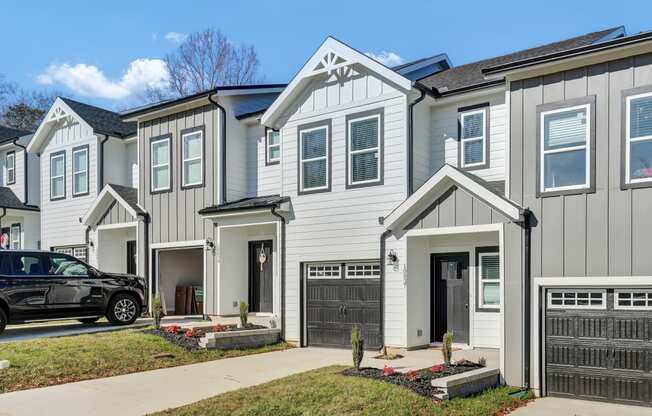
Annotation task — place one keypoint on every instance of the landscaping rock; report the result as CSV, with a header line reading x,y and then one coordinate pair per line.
x,y
4,364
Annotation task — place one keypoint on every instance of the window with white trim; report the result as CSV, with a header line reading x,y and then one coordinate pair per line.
x,y
192,171
565,148
363,156
80,171
63,250
362,270
577,299
638,136
160,164
472,138
80,252
58,175
314,163
15,237
273,143
10,164
324,271
637,299
489,280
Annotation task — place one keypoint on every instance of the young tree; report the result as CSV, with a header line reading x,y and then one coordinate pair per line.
x,y
26,110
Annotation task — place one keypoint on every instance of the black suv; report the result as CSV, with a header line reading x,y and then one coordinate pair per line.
x,y
42,285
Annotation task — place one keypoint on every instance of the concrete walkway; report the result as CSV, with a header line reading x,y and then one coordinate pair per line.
x,y
151,391
568,407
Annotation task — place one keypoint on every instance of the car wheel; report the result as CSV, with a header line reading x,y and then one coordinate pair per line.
x,y
3,320
89,320
123,310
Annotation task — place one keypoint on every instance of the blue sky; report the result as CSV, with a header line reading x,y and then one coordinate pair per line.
x,y
99,38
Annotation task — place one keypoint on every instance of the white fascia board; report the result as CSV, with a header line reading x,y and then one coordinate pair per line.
x,y
350,56
38,140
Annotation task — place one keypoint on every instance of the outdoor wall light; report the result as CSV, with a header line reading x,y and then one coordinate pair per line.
x,y
392,257
210,244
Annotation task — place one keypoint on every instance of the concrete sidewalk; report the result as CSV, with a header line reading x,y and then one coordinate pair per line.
x,y
568,407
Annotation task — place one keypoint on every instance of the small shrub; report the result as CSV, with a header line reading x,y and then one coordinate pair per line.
x,y
157,311
173,329
244,311
388,370
412,375
357,344
447,347
437,368
482,362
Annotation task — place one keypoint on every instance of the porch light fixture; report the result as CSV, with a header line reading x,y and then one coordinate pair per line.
x,y
262,257
392,257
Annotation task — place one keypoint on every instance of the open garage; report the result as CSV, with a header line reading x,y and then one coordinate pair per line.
x,y
180,280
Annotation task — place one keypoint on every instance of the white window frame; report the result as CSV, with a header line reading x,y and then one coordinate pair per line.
x,y
319,270
632,307
269,147
465,140
168,165
586,147
373,268
629,140
83,249
603,292
15,244
351,152
325,157
482,282
75,173
61,156
185,160
11,171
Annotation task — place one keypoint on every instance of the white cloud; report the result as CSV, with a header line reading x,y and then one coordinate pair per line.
x,y
90,81
387,58
176,37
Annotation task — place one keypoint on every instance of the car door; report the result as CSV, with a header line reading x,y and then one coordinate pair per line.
x,y
76,290
28,288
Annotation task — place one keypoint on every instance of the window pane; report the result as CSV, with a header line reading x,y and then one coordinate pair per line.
x,y
160,153
65,266
565,169
641,160
27,265
57,166
473,151
364,166
314,174
364,134
314,144
565,129
79,161
274,152
274,137
57,186
192,145
160,177
490,267
491,293
640,117
192,172
81,182
473,125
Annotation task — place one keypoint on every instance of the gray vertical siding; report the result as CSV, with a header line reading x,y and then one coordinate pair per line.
x,y
116,214
174,214
604,233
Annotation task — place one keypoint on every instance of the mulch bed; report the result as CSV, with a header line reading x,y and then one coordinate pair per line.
x,y
192,343
420,380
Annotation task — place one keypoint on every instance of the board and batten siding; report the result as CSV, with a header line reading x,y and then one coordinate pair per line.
x,y
116,214
343,224
445,135
60,225
605,233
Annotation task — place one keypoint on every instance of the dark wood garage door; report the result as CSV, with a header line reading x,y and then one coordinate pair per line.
x,y
334,306
598,345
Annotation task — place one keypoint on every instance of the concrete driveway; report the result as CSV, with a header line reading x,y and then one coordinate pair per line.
x,y
568,407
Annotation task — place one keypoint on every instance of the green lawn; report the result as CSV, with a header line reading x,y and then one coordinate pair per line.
x,y
52,361
326,392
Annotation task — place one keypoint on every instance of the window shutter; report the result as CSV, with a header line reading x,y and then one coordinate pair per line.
x,y
565,129
640,117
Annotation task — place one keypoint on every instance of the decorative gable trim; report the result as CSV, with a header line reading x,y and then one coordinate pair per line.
x,y
60,112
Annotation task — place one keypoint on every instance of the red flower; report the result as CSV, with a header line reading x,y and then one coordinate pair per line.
x,y
437,368
190,333
220,328
412,375
173,329
388,370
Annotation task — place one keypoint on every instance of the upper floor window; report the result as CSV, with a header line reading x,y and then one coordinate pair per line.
x,y
364,149
473,139
273,147
11,167
565,146
58,175
161,154
192,145
314,158
80,171
638,139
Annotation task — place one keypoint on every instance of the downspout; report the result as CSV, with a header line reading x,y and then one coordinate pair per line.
x,y
223,146
383,238
527,297
26,177
410,144
100,176
282,244
145,218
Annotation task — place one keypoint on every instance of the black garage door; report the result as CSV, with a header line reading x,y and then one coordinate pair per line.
x,y
334,305
598,345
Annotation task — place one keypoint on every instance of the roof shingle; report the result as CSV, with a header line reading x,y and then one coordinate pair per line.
x,y
8,134
101,120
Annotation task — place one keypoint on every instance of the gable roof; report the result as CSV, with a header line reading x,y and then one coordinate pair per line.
x,y
9,200
124,195
250,105
102,121
245,204
470,76
8,134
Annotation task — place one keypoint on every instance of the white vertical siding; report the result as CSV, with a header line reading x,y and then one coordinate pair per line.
x,y
131,151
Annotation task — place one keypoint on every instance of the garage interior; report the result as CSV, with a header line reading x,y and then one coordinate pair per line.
x,y
181,281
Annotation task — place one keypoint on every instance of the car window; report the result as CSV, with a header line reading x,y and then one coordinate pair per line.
x,y
61,265
5,265
27,265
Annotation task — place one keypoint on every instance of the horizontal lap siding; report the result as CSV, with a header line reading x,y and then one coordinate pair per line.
x,y
261,179
343,223
18,187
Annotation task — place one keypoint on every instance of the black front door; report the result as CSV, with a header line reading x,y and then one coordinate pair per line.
x,y
131,257
261,272
450,296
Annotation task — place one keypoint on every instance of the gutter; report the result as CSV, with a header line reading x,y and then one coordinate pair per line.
x,y
100,177
282,244
26,180
223,147
410,143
